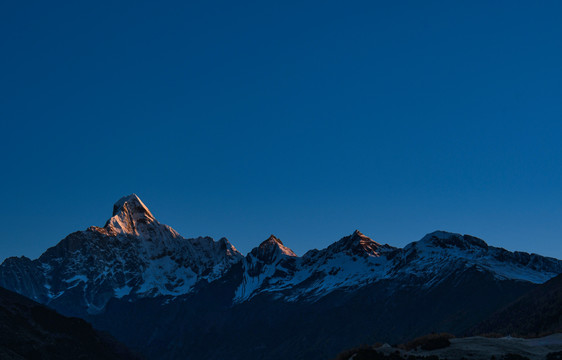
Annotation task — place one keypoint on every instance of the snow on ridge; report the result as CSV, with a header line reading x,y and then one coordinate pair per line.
x,y
431,260
135,256
348,263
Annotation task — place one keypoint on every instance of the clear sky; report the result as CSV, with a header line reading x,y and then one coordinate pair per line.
x,y
307,120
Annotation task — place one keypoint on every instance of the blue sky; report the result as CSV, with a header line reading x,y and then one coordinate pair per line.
x,y
306,120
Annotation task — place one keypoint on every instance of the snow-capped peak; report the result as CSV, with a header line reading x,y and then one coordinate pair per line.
x,y
444,239
133,256
227,246
271,241
356,244
132,217
132,204
270,249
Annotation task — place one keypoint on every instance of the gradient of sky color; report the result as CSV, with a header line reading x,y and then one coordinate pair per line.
x,y
303,119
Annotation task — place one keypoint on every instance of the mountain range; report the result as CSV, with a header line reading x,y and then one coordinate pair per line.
x,y
175,298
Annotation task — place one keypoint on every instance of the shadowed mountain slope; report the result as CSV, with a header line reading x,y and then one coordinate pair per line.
x,y
29,330
535,313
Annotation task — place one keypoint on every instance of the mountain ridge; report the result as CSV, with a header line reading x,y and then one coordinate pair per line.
x,y
136,256
139,280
